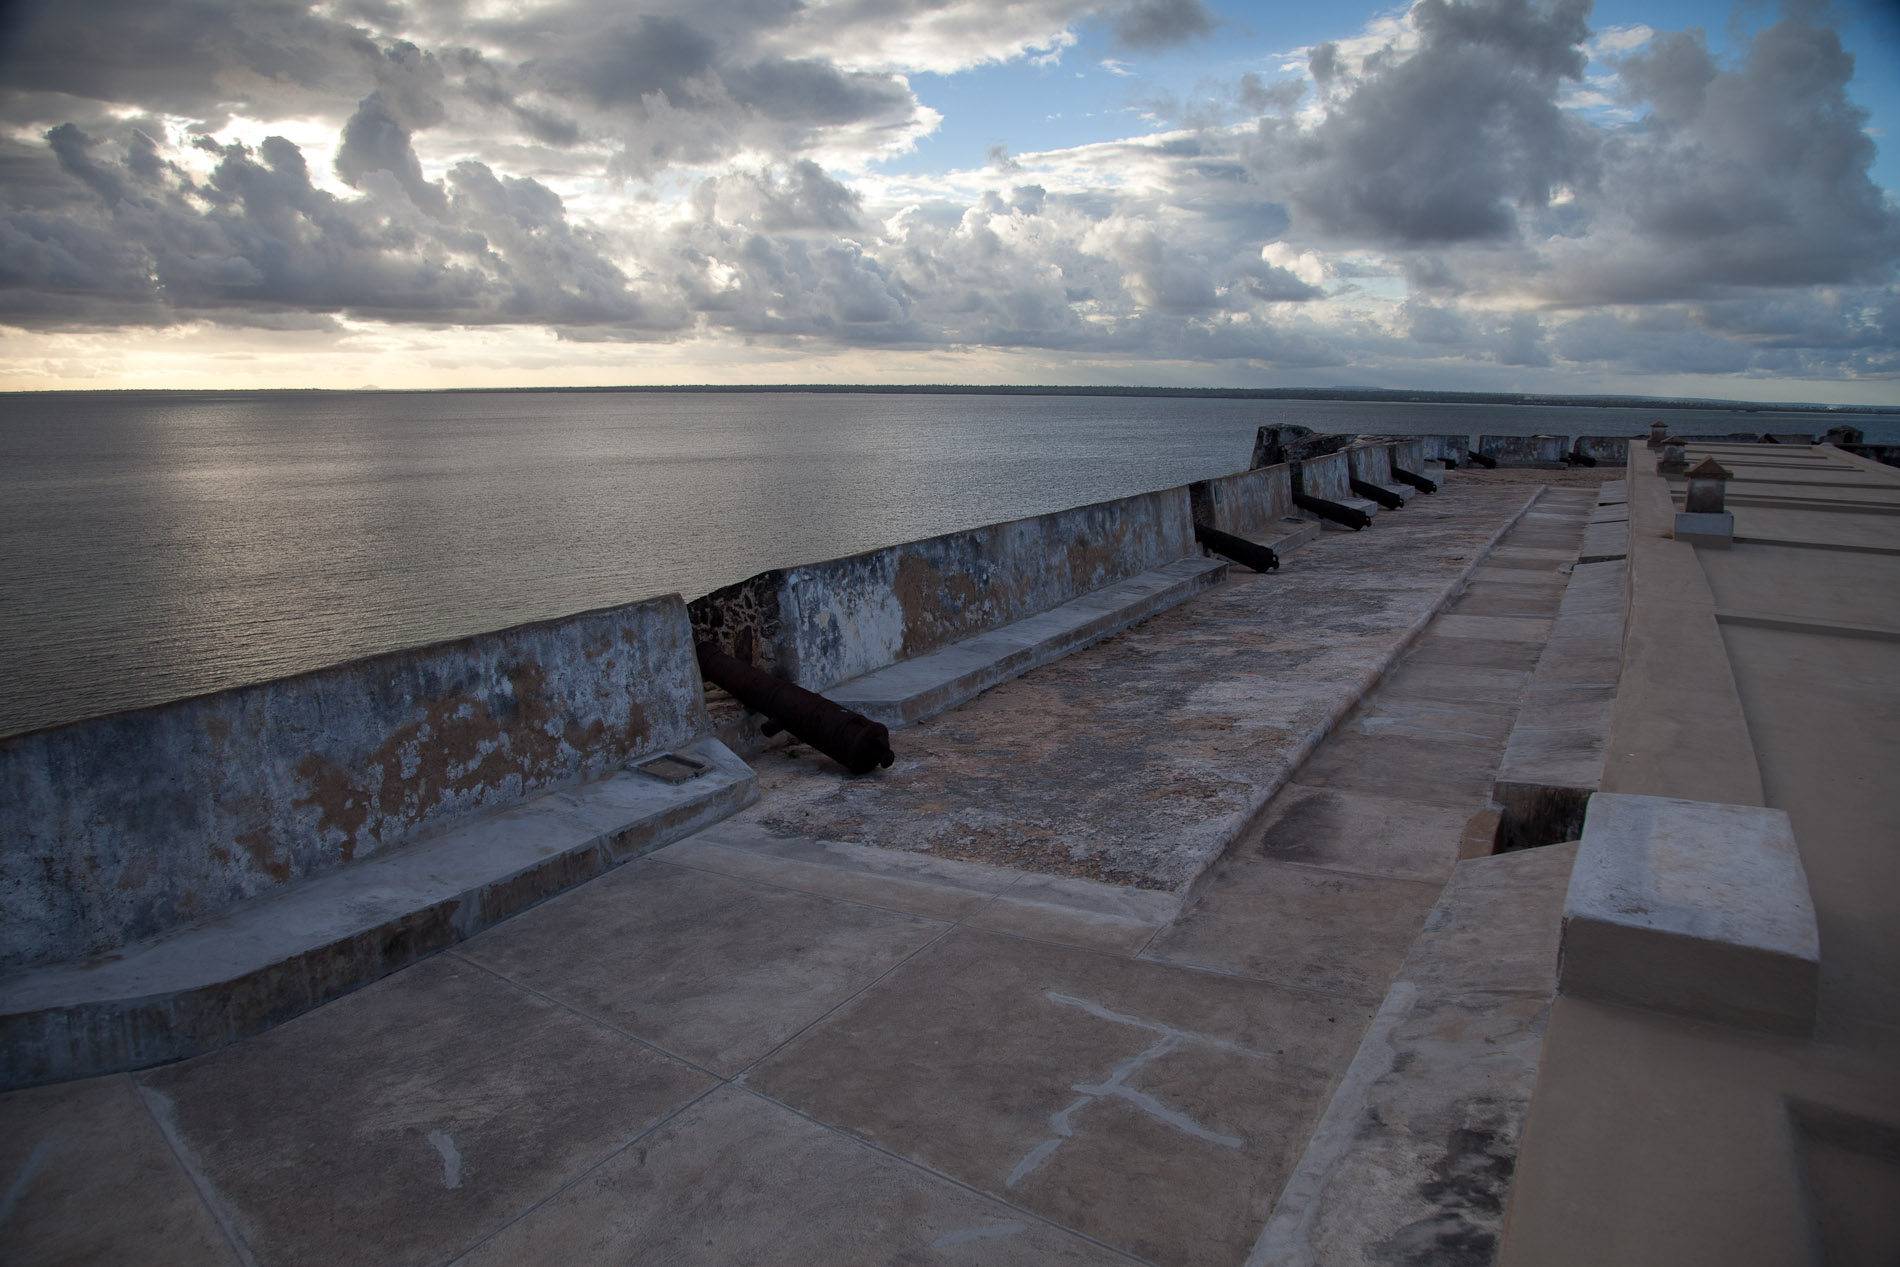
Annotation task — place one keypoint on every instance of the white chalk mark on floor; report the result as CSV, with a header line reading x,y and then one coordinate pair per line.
x,y
34,1160
1116,1085
451,1158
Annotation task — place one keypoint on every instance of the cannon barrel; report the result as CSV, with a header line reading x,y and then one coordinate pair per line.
x,y
1577,457
1373,493
1258,557
1416,480
851,739
1483,459
1351,516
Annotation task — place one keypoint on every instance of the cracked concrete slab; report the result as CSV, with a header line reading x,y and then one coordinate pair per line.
x,y
1297,925
88,1175
711,1186
320,1137
1360,832
1091,1089
713,969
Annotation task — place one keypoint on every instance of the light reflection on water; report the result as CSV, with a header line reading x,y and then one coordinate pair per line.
x,y
161,545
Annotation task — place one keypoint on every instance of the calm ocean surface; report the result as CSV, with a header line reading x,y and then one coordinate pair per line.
x,y
161,545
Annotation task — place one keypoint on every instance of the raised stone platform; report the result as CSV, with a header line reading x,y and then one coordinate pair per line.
x,y
205,985
1694,908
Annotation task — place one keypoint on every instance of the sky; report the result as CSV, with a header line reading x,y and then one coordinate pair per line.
x,y
1672,198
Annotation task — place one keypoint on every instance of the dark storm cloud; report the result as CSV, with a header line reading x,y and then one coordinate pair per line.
x,y
182,56
1156,24
1444,144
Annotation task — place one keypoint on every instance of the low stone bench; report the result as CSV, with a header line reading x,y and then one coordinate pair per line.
x,y
911,690
1694,908
202,986
179,876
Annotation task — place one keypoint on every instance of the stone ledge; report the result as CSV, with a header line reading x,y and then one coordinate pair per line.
x,y
911,690
1554,758
1440,1085
212,983
1695,908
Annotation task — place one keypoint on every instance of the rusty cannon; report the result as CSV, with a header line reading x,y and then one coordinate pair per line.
x,y
1258,557
1376,493
851,739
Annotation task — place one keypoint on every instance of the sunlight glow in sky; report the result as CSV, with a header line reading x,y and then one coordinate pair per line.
x,y
1664,198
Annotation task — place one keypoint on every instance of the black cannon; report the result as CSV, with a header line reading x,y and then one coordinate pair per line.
x,y
1482,459
851,739
1374,493
1351,516
1577,457
1258,557
1416,480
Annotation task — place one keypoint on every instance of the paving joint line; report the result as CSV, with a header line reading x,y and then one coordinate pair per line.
x,y
932,1171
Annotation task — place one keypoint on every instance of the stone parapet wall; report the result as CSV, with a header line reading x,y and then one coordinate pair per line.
x,y
823,623
1327,477
119,827
1532,451
1245,504
1607,450
1371,463
1452,449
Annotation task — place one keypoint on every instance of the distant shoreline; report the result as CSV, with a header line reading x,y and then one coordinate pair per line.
x,y
1368,395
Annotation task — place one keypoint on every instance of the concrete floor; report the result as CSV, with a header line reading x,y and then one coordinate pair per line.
x,y
771,1044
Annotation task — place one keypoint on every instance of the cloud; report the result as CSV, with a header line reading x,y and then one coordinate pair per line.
x,y
1442,143
1442,189
1155,24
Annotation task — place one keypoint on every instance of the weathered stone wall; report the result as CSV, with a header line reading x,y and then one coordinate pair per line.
x,y
1607,450
1371,463
823,623
1533,451
1325,477
1445,448
122,826
1244,504
1407,455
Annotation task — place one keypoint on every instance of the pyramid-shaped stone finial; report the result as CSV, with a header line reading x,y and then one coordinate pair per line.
x,y
1708,483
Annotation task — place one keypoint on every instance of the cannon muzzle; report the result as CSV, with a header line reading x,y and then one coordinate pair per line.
x,y
1375,493
1351,516
1258,557
851,739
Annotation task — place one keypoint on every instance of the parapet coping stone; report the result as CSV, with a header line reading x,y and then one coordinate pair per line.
x,y
1442,1078
1694,908
910,691
206,985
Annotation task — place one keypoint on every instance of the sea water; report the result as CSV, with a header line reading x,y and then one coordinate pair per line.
x,y
158,545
